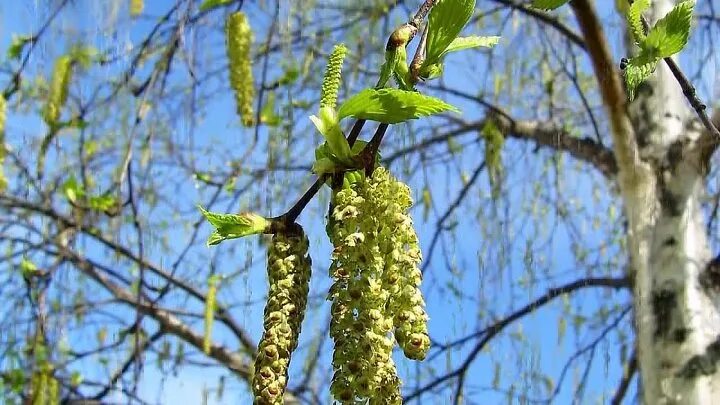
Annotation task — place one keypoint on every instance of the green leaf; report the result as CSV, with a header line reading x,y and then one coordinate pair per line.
x,y
634,19
401,71
84,55
431,71
328,124
27,268
548,4
445,22
17,45
392,106
103,202
637,72
209,4
73,190
267,114
324,166
232,226
76,379
392,58
460,43
670,33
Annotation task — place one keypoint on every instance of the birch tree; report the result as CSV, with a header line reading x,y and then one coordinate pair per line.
x,y
535,179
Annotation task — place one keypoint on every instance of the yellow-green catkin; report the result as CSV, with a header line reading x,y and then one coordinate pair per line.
x,y
289,276
331,80
136,7
3,179
58,91
210,306
360,323
239,40
400,247
53,391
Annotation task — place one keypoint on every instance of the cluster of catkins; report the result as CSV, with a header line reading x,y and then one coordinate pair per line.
x,y
375,296
289,276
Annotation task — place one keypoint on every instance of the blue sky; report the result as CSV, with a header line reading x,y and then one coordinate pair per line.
x,y
470,253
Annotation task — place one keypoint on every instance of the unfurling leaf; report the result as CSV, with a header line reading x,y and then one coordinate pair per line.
x,y
445,22
461,43
636,73
392,106
634,19
232,226
328,124
667,37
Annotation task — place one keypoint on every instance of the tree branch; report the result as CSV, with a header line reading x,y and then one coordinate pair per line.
x,y
487,334
613,94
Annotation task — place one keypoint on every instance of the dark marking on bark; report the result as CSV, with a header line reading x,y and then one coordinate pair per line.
x,y
702,364
671,241
670,203
675,153
680,334
664,301
710,277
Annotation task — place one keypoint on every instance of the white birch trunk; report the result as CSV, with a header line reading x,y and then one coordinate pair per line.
x,y
677,309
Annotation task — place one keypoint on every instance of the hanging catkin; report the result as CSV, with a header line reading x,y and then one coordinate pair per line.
x,y
210,306
3,179
375,243
58,91
289,276
239,37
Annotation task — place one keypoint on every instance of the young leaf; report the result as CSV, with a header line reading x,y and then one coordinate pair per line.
x,y
209,4
637,72
634,19
392,106
328,125
445,22
16,46
73,190
460,43
670,33
548,4
323,166
231,226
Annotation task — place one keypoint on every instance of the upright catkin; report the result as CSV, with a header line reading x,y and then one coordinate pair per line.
x,y
239,37
331,80
289,276
360,322
58,91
